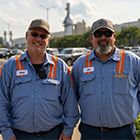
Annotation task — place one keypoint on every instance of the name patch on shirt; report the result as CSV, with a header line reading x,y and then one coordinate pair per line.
x,y
21,72
51,81
88,69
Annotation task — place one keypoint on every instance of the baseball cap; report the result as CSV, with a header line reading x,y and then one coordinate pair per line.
x,y
102,23
39,23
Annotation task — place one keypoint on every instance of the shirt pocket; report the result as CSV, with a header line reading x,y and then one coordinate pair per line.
x,y
52,89
120,84
88,84
21,87
22,80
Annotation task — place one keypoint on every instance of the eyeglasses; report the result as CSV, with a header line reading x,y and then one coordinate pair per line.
x,y
98,33
42,36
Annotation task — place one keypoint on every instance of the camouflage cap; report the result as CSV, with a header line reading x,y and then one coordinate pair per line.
x,y
102,23
39,23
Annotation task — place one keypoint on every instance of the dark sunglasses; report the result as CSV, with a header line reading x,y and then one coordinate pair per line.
x,y
99,33
42,36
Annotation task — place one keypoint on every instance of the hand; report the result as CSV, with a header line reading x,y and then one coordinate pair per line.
x,y
13,138
64,137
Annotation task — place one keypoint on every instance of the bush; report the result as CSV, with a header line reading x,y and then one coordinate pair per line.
x,y
137,123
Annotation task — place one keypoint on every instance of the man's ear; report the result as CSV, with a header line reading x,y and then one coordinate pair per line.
x,y
26,34
90,38
115,37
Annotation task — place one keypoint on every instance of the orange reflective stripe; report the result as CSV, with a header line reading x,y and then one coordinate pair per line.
x,y
69,73
50,72
88,62
55,59
19,64
53,68
120,64
1,69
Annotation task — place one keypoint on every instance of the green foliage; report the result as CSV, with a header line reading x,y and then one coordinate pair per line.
x,y
129,37
70,41
137,123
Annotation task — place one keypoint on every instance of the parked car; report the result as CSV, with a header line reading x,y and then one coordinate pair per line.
x,y
136,50
69,55
4,53
52,51
15,52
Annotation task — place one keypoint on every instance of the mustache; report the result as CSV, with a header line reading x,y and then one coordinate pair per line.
x,y
103,40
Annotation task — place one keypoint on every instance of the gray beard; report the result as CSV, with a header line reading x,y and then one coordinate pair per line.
x,y
104,49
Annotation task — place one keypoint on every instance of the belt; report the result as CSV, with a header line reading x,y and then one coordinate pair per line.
x,y
105,129
41,132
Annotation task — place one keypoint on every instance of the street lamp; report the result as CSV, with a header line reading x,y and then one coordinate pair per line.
x,y
47,11
8,32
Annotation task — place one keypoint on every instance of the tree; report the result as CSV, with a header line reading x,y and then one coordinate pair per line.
x,y
129,36
70,41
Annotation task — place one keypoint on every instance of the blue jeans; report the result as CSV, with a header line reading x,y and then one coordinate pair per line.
x,y
88,132
52,134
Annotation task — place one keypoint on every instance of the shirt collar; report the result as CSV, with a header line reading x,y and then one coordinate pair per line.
x,y
115,56
92,55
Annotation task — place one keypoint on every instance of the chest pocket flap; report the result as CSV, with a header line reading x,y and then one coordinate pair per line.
x,y
88,82
52,89
21,80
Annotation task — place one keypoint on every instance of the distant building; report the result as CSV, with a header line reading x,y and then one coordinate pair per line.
x,y
58,34
73,29
20,43
68,23
80,28
119,27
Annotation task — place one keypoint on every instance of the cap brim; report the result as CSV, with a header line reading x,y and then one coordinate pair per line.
x,y
39,27
103,27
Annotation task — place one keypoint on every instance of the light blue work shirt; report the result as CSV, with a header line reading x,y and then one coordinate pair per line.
x,y
106,100
32,104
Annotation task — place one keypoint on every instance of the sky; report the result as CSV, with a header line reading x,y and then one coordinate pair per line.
x,y
16,15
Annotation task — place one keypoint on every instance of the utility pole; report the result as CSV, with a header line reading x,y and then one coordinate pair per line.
x,y
47,11
7,40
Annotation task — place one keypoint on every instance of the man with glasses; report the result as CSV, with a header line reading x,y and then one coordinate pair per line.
x,y
106,81
37,100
